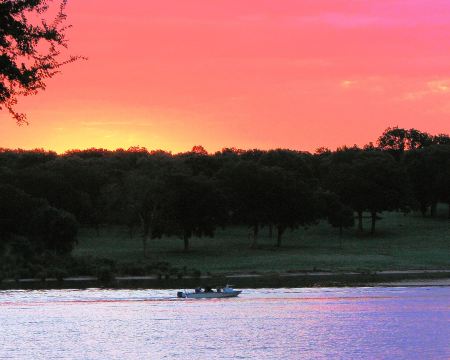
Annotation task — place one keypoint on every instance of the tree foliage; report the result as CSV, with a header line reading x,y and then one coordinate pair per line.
x,y
398,140
43,196
25,217
54,230
367,181
29,49
193,206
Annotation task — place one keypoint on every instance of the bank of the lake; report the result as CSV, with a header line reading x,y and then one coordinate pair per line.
x,y
254,280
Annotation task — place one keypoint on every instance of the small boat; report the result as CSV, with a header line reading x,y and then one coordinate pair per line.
x,y
208,293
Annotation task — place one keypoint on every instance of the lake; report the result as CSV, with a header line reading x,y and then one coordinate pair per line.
x,y
307,323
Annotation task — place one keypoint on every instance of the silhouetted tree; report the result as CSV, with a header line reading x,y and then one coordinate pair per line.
x,y
384,183
367,181
397,140
144,194
339,176
198,149
438,159
192,193
249,187
45,227
50,184
16,208
192,206
429,173
418,139
441,139
294,161
422,174
290,201
53,230
29,52
338,214
199,162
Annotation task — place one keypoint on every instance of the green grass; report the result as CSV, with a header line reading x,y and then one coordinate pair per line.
x,y
401,242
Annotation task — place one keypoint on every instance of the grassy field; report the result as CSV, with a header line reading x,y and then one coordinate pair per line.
x,y
401,242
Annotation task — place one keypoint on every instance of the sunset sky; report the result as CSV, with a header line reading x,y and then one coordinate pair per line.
x,y
263,74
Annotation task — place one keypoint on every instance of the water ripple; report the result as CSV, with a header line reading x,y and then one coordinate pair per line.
x,y
315,323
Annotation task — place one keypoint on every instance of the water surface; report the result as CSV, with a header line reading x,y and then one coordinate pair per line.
x,y
314,323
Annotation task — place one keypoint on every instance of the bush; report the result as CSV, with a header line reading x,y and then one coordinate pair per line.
x,y
58,273
132,269
105,274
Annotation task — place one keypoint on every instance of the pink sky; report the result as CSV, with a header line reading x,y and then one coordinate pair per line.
x,y
245,73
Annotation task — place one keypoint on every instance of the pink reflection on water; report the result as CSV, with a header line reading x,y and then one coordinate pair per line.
x,y
265,323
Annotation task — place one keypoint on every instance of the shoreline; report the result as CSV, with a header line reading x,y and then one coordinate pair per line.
x,y
243,280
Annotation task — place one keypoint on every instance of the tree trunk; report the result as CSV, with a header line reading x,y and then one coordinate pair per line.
x,y
360,223
433,209
145,233
130,231
144,244
374,219
423,209
255,236
186,242
280,231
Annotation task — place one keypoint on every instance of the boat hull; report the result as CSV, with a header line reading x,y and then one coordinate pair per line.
x,y
209,295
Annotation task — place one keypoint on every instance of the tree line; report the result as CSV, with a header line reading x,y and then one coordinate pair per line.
x,y
45,197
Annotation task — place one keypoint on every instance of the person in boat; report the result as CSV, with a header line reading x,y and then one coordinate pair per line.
x,y
208,289
198,290
219,290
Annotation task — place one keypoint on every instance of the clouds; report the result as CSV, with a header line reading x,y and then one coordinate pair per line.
x,y
350,21
341,14
107,122
435,87
347,84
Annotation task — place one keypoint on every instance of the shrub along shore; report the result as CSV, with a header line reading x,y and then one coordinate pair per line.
x,y
293,280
